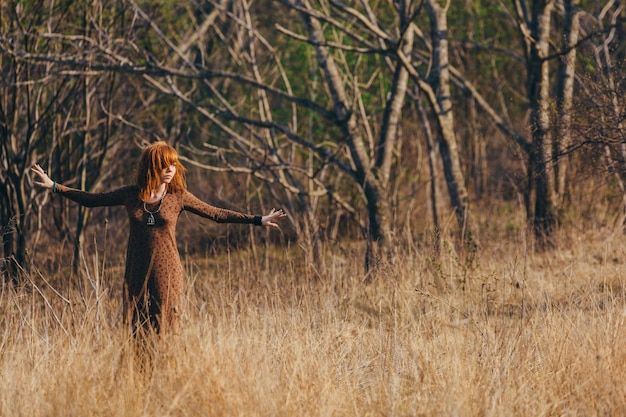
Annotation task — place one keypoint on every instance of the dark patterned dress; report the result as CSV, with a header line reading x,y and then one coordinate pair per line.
x,y
154,274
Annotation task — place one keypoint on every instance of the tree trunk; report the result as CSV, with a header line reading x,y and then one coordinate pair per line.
x,y
540,168
439,83
431,150
83,213
12,217
393,108
565,97
14,154
379,214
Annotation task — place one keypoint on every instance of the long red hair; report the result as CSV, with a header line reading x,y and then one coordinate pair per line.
x,y
154,159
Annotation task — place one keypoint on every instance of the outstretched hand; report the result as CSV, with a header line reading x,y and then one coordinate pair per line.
x,y
44,179
269,220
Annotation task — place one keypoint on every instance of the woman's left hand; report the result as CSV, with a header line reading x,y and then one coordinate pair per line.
x,y
44,179
272,217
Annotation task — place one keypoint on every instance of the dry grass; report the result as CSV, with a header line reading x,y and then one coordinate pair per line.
x,y
503,332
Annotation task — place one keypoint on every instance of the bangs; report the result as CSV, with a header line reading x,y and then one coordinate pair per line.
x,y
169,157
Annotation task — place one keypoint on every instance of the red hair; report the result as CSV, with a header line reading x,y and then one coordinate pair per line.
x,y
154,159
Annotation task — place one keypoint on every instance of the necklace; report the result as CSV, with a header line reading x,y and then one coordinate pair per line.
x,y
151,221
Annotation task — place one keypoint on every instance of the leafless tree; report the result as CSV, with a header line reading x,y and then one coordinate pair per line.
x,y
610,82
565,96
54,114
30,100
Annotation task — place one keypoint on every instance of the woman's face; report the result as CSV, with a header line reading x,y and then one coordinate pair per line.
x,y
168,173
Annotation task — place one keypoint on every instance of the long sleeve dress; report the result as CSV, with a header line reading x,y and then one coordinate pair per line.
x,y
154,276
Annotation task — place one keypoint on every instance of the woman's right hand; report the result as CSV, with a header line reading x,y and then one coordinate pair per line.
x,y
44,179
270,219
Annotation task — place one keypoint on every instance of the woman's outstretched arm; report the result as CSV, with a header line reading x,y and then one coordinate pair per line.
x,y
220,215
84,198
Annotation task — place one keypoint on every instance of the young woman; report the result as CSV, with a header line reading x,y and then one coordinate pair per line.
x,y
154,274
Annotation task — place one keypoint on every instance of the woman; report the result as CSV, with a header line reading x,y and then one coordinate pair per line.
x,y
154,274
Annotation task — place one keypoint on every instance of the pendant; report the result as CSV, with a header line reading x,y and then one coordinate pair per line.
x,y
150,221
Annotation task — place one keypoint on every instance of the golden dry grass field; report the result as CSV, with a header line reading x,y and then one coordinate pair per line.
x,y
502,332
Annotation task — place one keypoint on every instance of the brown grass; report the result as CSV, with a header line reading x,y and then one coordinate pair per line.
x,y
500,332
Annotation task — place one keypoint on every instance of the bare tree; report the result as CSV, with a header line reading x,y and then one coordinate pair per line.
x,y
30,99
52,113
370,170
437,88
565,96
610,82
547,144
371,159
534,24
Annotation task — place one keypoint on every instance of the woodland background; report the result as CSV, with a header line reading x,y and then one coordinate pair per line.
x,y
384,122
453,173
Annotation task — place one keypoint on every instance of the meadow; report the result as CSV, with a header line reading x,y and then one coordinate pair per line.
x,y
504,331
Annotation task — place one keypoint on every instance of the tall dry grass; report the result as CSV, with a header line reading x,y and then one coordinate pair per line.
x,y
503,332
